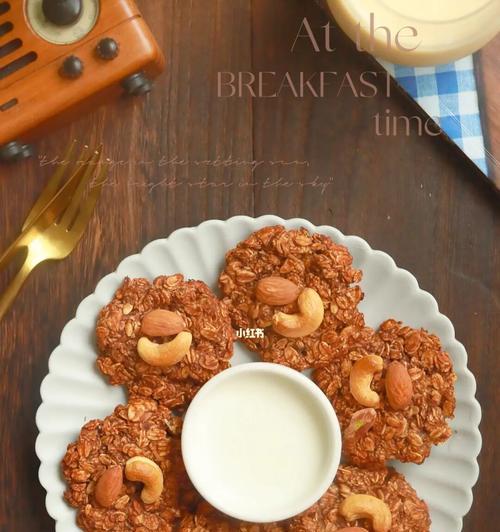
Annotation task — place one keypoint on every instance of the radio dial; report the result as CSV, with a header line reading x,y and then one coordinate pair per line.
x,y
62,21
62,12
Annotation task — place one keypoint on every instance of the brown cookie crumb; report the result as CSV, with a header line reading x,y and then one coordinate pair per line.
x,y
208,519
408,434
409,513
119,330
309,261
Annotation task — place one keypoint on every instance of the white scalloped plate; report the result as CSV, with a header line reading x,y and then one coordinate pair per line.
x,y
74,392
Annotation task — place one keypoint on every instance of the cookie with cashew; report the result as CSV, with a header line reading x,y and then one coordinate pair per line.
x,y
392,390
366,500
125,472
290,293
164,339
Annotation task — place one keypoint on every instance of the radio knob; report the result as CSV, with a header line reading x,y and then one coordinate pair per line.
x,y
62,12
108,49
72,67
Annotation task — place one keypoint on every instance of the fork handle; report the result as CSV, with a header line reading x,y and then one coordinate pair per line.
x,y
7,298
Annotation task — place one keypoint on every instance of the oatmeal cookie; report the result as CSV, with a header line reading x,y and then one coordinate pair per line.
x,y
298,260
192,309
412,390
208,519
103,447
408,513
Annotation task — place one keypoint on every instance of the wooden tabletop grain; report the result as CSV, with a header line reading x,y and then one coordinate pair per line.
x,y
183,155
488,81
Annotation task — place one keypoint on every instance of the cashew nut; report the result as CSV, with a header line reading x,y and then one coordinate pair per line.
x,y
367,507
306,321
141,469
167,354
361,377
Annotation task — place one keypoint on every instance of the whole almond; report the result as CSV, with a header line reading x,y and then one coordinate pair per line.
x,y
276,291
108,486
398,386
161,322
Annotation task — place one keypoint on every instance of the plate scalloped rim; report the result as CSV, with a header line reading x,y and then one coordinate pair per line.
x,y
71,364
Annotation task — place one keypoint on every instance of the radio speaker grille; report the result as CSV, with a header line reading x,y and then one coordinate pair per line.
x,y
4,7
9,65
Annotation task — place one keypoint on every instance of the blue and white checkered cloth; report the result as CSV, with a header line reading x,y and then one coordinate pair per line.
x,y
448,94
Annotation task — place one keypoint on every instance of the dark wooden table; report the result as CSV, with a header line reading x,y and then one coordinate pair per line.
x,y
413,196
487,66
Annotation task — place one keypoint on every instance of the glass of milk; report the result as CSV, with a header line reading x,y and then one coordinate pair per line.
x,y
261,442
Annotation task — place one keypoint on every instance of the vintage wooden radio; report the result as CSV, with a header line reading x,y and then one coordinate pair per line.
x,y
60,58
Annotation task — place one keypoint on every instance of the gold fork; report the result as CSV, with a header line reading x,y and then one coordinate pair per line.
x,y
51,189
50,204
55,232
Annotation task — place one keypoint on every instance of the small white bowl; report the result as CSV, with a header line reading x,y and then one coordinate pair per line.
x,y
261,442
